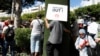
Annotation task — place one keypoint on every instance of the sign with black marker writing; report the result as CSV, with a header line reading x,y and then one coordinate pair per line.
x,y
57,12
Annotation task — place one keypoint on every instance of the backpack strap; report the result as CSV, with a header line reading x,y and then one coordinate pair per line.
x,y
42,28
39,23
8,29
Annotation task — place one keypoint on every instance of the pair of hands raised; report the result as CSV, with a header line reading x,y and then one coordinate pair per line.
x,y
85,43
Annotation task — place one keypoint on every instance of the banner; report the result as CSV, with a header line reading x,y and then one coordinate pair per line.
x,y
57,12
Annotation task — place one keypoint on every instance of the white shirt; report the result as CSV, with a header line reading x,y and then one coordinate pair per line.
x,y
83,51
93,28
5,28
36,29
1,26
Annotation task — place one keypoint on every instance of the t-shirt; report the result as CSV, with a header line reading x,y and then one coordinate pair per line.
x,y
36,29
55,32
6,27
93,28
7,32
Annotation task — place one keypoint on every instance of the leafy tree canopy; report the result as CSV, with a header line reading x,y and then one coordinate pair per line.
x,y
93,11
6,5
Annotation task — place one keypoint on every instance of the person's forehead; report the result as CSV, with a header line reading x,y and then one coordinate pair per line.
x,y
81,33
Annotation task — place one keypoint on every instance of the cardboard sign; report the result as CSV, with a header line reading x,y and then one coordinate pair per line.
x,y
57,12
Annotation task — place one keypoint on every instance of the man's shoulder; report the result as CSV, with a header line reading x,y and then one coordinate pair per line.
x,y
11,26
89,36
5,28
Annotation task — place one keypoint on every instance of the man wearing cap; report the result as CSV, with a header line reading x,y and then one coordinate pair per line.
x,y
83,41
80,22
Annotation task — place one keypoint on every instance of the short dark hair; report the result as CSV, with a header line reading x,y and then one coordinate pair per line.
x,y
39,15
11,21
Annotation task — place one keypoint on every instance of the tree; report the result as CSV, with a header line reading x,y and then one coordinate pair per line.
x,y
92,10
72,15
17,8
5,5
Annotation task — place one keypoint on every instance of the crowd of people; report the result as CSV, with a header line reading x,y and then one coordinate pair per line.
x,y
55,38
84,33
7,37
87,39
85,30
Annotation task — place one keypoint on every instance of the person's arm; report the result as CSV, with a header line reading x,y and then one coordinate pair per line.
x,y
46,23
96,35
3,32
31,25
97,39
77,46
92,43
66,30
2,35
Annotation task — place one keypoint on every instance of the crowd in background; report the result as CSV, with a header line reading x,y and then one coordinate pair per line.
x,y
84,33
87,36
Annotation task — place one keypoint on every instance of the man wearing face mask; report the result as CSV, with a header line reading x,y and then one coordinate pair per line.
x,y
83,41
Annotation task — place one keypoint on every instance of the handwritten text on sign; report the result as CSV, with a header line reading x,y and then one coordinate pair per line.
x,y
57,12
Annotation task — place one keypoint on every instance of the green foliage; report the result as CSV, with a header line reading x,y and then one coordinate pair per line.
x,y
22,37
4,18
81,11
93,10
27,17
32,15
5,5
72,15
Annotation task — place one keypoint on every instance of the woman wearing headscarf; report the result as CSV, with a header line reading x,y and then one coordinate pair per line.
x,y
83,41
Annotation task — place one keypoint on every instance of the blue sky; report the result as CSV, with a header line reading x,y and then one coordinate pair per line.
x,y
74,3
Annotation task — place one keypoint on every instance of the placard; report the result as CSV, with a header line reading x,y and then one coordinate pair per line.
x,y
57,12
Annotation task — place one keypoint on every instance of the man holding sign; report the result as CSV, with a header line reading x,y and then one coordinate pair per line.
x,y
56,29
